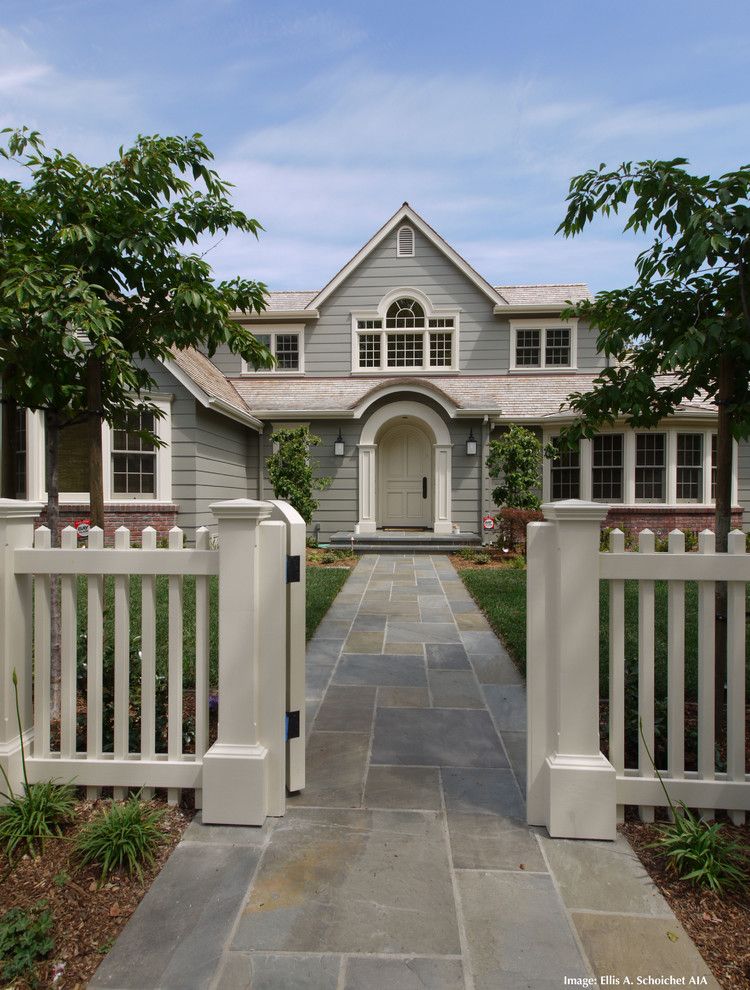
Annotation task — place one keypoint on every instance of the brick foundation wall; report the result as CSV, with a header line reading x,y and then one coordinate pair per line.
x,y
663,520
134,515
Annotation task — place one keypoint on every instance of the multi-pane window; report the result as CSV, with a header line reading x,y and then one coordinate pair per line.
x,y
441,350
405,350
528,348
286,348
713,466
543,347
650,466
557,347
405,339
566,475
689,467
20,454
369,350
607,467
133,456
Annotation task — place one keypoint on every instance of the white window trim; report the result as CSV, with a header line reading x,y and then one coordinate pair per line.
x,y
430,313
629,500
163,477
544,326
399,252
272,331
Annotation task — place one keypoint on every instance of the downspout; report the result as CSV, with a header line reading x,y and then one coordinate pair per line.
x,y
482,473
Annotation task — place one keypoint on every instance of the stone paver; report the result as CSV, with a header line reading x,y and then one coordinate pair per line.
x,y
406,863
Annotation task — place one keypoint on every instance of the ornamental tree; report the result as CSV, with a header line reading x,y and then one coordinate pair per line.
x,y
682,329
126,235
516,456
290,470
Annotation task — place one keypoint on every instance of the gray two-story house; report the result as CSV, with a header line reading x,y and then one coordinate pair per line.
x,y
405,364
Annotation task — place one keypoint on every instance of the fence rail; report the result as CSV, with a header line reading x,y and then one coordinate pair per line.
x,y
122,696
573,789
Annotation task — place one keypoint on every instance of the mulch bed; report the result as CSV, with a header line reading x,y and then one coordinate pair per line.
x,y
719,926
87,917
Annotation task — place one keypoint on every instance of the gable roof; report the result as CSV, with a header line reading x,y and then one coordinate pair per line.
x,y
406,213
553,294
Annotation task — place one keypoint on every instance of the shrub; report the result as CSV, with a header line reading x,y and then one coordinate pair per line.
x,y
517,456
700,852
466,553
24,940
512,525
125,836
518,564
481,558
290,470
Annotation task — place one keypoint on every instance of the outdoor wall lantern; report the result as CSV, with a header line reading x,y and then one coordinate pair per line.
x,y
471,445
338,445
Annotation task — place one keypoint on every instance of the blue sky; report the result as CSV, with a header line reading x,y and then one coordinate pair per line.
x,y
328,116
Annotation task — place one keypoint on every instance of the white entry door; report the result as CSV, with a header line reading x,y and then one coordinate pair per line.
x,y
405,472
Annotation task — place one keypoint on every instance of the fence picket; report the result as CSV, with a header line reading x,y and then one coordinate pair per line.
x,y
676,666
68,637
646,544
94,659
122,659
148,658
617,666
706,662
202,641
42,643
736,633
175,651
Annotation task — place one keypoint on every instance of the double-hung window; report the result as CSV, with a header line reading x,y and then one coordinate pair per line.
x,y
689,467
607,463
133,457
650,467
286,347
406,340
545,345
565,472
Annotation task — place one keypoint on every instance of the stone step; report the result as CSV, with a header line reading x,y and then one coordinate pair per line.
x,y
403,542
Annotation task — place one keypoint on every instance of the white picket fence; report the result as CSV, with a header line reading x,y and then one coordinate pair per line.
x,y
240,779
573,789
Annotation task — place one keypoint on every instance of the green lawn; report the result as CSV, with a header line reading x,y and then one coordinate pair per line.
x,y
323,584
501,594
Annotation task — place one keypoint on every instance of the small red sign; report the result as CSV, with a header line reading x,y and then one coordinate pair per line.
x,y
488,522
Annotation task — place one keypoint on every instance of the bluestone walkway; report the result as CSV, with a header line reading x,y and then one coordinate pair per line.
x,y
406,863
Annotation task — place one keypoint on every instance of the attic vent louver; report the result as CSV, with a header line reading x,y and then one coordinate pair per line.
x,y
405,242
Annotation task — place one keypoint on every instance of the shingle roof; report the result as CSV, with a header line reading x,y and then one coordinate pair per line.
x,y
207,377
289,301
553,294
528,396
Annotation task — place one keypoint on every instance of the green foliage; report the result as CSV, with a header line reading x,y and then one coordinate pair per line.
x,y
518,563
482,558
701,852
38,814
290,470
103,262
517,456
466,553
125,836
322,586
24,940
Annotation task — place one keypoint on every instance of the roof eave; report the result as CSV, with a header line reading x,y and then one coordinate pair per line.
x,y
506,309
277,316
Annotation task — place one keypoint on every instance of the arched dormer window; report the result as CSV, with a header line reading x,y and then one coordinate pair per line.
x,y
405,335
405,242
404,314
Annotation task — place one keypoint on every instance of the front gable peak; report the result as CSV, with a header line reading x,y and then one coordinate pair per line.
x,y
404,222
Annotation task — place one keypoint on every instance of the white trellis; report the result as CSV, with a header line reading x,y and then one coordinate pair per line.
x,y
573,789
240,779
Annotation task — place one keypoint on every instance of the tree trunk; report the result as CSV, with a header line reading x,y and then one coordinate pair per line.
x,y
9,486
52,459
96,476
723,522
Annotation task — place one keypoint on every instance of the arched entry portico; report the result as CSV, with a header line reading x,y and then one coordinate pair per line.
x,y
380,435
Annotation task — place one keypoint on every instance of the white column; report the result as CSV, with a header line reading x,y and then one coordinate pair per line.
x,y
442,489
367,489
16,530
235,768
582,794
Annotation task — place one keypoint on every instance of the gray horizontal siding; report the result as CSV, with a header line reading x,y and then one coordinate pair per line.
x,y
743,480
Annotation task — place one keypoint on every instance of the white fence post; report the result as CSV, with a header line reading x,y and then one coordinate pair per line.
x,y
235,768
16,530
296,643
580,780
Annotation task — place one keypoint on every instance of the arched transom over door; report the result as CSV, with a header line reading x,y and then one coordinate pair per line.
x,y
405,473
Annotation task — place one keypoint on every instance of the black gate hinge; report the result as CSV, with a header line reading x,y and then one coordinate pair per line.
x,y
292,725
292,568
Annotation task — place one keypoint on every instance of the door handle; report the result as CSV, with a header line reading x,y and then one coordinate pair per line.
x,y
424,487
